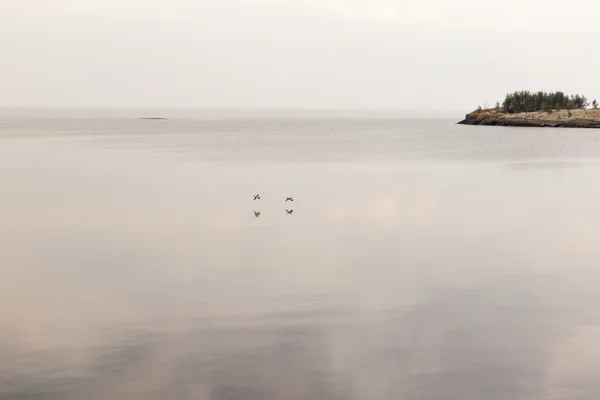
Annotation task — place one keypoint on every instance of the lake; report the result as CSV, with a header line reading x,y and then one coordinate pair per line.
x,y
423,260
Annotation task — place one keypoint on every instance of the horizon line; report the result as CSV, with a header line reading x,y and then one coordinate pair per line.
x,y
203,108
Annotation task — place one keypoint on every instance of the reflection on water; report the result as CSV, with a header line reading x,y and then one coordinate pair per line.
x,y
412,267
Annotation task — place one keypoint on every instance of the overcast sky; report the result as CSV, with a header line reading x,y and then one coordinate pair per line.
x,y
353,54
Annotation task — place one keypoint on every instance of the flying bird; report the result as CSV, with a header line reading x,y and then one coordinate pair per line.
x,y
289,199
257,197
257,214
289,211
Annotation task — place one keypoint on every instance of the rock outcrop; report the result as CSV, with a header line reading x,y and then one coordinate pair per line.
x,y
539,119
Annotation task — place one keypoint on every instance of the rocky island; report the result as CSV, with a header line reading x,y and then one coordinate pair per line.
x,y
539,109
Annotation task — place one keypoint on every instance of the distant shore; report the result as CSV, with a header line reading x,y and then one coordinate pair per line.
x,y
554,119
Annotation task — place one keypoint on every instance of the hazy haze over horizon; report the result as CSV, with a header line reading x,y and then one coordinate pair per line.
x,y
329,54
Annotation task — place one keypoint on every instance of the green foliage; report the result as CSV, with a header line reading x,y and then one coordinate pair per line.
x,y
584,102
525,101
547,107
594,104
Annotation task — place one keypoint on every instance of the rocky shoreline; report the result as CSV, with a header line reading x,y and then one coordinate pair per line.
x,y
539,119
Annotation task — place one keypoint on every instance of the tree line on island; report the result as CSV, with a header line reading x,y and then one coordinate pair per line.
x,y
525,101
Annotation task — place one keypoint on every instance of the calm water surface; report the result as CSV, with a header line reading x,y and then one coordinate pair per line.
x,y
423,260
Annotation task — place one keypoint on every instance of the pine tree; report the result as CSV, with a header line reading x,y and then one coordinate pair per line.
x,y
539,100
528,104
584,102
571,104
497,106
595,104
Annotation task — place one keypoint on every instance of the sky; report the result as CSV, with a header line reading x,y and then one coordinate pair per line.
x,y
293,54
